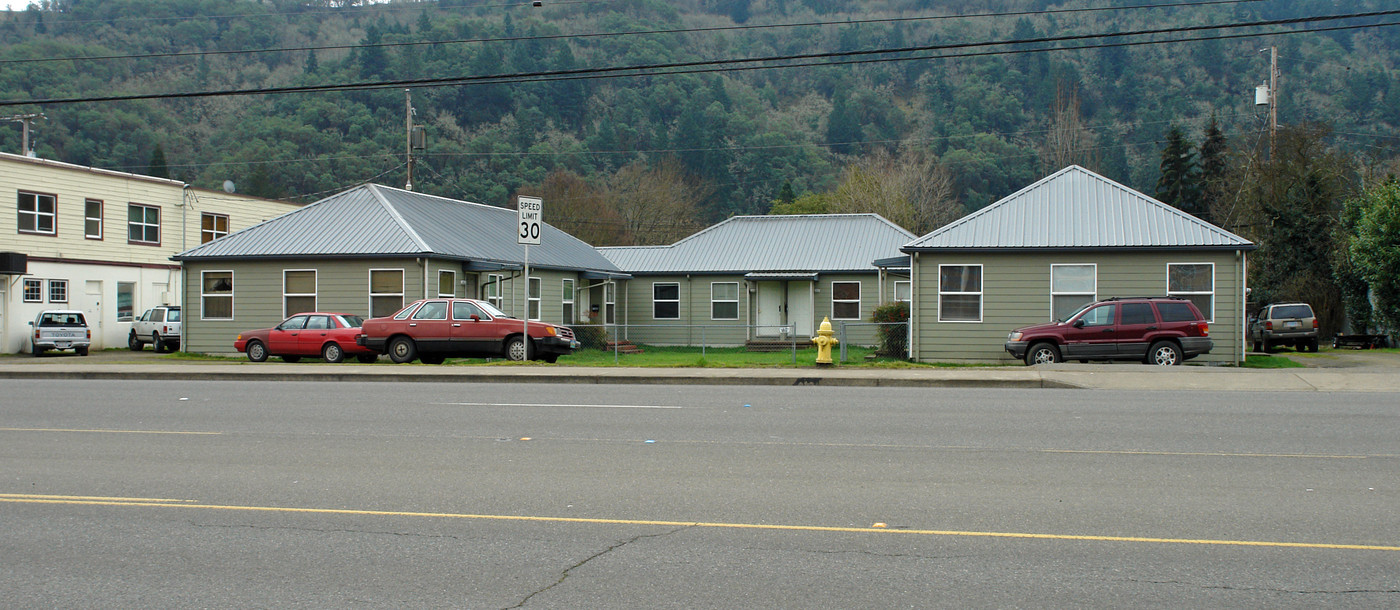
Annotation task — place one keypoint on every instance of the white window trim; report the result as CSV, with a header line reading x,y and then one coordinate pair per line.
x,y
714,300
403,279
143,223
859,289
24,290
53,216
610,302
215,232
60,284
534,301
654,300
567,298
315,282
232,313
497,280
1093,296
1210,315
910,291
981,295
452,283
101,213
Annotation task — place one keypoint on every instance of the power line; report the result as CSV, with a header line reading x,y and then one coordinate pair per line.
x,y
614,34
733,64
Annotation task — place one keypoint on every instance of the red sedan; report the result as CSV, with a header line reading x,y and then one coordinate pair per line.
x,y
329,336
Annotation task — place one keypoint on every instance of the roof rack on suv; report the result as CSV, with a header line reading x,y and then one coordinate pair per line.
x,y
1141,298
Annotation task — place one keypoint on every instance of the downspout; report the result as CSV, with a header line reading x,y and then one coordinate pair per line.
x,y
913,305
1240,325
422,262
689,310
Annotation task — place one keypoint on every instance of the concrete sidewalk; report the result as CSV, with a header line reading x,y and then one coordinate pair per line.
x,y
1080,376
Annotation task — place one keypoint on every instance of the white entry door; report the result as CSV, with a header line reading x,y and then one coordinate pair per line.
x,y
771,300
799,308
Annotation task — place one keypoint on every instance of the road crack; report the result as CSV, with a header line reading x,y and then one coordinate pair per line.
x,y
565,574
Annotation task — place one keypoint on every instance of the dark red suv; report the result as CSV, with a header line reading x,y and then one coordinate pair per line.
x,y
1152,330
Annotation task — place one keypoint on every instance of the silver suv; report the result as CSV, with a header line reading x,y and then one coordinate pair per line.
x,y
1284,324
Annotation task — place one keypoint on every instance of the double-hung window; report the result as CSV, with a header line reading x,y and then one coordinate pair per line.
x,y
37,213
33,291
298,291
536,287
447,284
666,301
1071,287
845,300
493,291
724,301
385,292
216,295
566,314
212,227
960,293
143,224
92,219
1194,281
58,291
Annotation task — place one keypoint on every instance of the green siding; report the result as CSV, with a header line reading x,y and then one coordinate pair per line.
x,y
1016,292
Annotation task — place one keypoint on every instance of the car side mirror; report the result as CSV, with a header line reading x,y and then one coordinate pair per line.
x,y
1079,323
31,322
476,318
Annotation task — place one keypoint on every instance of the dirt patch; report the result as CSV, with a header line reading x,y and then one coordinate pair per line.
x,y
1344,358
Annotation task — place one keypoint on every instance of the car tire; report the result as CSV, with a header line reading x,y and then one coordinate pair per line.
x,y
257,352
291,359
82,351
1312,346
156,343
1268,349
37,351
551,358
1043,353
1164,353
402,350
1258,347
433,358
133,343
367,358
332,353
515,349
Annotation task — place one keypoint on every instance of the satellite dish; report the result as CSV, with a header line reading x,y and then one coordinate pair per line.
x,y
228,186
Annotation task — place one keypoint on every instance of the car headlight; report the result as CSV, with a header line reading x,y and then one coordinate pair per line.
x,y
550,330
1015,336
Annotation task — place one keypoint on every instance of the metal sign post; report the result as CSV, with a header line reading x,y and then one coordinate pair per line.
x,y
530,210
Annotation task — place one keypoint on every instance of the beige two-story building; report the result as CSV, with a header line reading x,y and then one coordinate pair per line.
x,y
100,241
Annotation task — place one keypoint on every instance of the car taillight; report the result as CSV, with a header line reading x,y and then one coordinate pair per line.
x,y
1269,325
1314,323
89,334
1205,329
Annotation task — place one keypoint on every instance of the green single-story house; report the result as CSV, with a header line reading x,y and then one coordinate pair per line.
x,y
372,249
759,279
1067,240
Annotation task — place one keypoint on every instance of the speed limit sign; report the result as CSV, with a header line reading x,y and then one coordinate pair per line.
x,y
528,229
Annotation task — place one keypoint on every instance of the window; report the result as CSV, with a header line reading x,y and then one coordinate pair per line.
x,y
143,224
724,301
319,323
464,310
845,300
126,301
567,308
666,301
902,292
1195,282
432,310
609,302
212,227
447,284
960,293
36,213
58,291
298,291
33,291
385,292
1099,316
1072,287
536,287
293,323
493,291
1175,312
216,295
1138,313
92,219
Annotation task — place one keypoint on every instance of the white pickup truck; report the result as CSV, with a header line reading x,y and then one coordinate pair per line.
x,y
60,329
159,326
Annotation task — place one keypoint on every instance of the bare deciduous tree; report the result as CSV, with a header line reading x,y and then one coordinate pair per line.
x,y
1068,140
656,205
911,189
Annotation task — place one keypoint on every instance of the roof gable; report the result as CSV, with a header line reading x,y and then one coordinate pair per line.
x,y
1076,208
743,244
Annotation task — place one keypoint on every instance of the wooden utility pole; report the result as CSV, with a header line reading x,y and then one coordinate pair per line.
x,y
1273,98
408,135
28,121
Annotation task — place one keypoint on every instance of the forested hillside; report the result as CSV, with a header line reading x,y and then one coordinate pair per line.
x,y
644,156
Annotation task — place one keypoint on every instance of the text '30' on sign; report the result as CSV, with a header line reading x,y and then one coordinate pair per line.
x,y
531,213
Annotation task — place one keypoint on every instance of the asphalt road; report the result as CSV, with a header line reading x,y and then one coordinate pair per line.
x,y
220,494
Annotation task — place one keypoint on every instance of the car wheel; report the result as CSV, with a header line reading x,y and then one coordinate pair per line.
x,y
82,351
367,358
291,359
1312,346
156,344
1268,349
402,350
433,359
551,358
1043,353
257,352
515,349
133,343
1258,347
332,353
1164,353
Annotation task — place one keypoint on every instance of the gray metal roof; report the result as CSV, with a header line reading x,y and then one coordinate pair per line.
x,y
1075,208
744,244
380,221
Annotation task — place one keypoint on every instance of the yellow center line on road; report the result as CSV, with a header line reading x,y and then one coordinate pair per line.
x,y
95,430
78,500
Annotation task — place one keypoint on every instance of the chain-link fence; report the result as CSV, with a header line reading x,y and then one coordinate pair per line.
x,y
624,338
891,339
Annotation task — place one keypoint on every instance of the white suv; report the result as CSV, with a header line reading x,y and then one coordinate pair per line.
x,y
60,329
159,326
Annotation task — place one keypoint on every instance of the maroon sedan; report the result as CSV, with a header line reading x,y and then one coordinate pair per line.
x,y
329,336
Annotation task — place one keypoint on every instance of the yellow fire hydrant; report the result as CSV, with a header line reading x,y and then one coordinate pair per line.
x,y
824,341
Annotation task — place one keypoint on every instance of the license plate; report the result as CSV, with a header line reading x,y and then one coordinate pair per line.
x,y
62,344
1293,324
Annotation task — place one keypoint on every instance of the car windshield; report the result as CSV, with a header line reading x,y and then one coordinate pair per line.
x,y
353,321
495,313
1292,311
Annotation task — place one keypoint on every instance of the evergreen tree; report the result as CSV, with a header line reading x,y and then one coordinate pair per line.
x,y
158,167
1214,167
1179,184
